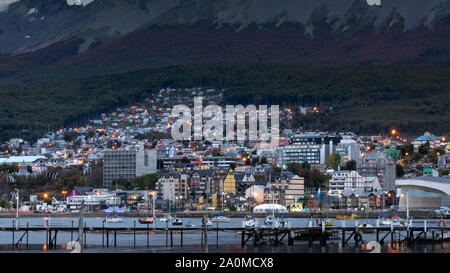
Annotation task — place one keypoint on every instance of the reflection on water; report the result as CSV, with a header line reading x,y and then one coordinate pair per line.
x,y
332,247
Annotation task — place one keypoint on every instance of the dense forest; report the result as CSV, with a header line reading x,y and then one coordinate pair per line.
x,y
369,99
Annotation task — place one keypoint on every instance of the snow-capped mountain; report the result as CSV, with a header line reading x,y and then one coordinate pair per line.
x,y
123,35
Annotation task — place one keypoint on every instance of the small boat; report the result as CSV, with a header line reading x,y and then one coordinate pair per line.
x,y
249,222
177,222
366,228
147,220
270,219
395,221
328,222
113,219
209,223
220,218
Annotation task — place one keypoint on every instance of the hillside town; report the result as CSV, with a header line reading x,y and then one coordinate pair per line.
x,y
121,157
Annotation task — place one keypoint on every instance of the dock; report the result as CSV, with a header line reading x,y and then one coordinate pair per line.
x,y
255,237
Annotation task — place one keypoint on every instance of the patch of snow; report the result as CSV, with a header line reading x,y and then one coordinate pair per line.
x,y
31,11
4,4
79,2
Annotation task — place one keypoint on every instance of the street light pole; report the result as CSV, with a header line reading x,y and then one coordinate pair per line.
x,y
17,208
153,199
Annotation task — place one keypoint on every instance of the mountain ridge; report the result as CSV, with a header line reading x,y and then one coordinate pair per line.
x,y
114,36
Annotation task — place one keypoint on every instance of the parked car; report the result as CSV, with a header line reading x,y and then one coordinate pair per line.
x,y
443,210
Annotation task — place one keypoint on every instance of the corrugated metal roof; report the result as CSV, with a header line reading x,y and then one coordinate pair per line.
x,y
443,179
23,159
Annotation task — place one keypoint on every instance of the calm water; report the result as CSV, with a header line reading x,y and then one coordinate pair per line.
x,y
227,241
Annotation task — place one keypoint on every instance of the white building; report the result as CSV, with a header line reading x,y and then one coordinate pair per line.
x,y
172,186
37,163
256,192
351,180
97,198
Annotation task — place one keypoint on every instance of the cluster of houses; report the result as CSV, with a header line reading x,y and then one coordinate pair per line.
x,y
135,141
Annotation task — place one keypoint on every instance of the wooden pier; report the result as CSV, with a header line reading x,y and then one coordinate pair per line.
x,y
249,236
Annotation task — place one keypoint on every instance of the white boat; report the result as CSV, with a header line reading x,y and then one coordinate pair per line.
x,y
166,218
209,223
220,219
367,228
249,222
395,221
113,219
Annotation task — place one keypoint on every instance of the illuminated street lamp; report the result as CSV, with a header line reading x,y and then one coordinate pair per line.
x,y
64,192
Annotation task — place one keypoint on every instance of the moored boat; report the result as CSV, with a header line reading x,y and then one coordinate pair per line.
x,y
220,218
113,219
366,228
395,221
177,222
249,222
146,220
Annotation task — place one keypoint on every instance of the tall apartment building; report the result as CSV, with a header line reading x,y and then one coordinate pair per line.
x,y
310,148
348,149
380,165
127,164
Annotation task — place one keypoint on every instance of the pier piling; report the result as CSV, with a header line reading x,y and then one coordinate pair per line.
x,y
85,235
103,233
27,235
13,245
148,244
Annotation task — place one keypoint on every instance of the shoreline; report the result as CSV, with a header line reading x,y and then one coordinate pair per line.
x,y
200,214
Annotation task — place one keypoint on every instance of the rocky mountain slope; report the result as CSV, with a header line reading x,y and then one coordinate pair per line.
x,y
60,39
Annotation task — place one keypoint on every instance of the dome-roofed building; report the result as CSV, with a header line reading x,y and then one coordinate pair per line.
x,y
424,192
265,208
